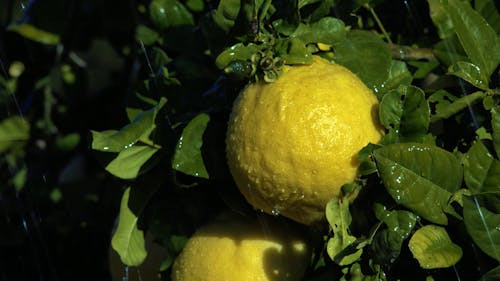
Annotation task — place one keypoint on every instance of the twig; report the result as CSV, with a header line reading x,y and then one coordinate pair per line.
x,y
401,52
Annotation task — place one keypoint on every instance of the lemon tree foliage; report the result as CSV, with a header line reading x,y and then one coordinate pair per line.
x,y
230,107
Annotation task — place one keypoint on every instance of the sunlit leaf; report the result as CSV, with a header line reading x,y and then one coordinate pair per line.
x,y
365,54
339,218
33,33
470,73
432,247
128,163
456,106
13,130
420,177
128,240
483,226
139,129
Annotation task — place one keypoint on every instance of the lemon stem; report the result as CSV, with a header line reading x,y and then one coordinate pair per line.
x,y
379,23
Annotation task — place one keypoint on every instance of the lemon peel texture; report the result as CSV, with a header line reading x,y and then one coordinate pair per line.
x,y
234,248
293,143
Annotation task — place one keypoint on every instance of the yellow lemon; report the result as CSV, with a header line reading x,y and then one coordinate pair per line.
x,y
235,248
293,143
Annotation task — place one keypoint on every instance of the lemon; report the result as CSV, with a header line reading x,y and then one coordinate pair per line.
x,y
293,143
234,248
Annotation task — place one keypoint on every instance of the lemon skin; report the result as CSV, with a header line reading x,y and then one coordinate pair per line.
x,y
293,143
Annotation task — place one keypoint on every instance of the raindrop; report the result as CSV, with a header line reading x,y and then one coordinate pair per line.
x,y
275,211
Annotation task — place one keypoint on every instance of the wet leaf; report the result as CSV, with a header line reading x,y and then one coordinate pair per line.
x,y
489,11
387,243
492,275
128,240
398,75
432,247
483,226
238,52
368,56
441,19
33,33
456,106
478,39
450,51
169,13
481,170
470,73
139,129
406,114
13,130
127,165
187,157
339,218
495,125
420,177
327,30
294,51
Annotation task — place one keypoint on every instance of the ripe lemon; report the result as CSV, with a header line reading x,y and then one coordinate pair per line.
x,y
293,143
235,248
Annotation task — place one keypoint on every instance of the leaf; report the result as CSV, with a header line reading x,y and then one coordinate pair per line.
x,y
441,19
327,30
478,39
170,13
398,75
339,218
68,142
456,106
195,5
483,226
387,243
420,177
127,165
128,240
139,129
470,73
481,170
146,35
432,247
368,56
13,130
406,113
449,51
33,33
495,125
423,68
238,51
293,51
187,157
226,13
492,275
489,11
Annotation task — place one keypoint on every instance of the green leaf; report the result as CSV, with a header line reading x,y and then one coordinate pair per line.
x,y
420,177
128,240
293,51
481,170
398,75
195,5
226,13
470,73
387,243
449,51
483,226
170,13
441,19
68,142
33,33
128,163
146,35
478,39
432,247
187,157
238,51
456,106
495,125
327,30
367,55
423,68
339,218
13,130
492,275
489,11
406,113
138,130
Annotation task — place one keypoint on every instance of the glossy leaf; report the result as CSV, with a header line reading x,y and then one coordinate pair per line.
x,y
450,51
33,33
398,75
481,170
441,19
238,51
327,30
368,56
478,39
128,163
492,275
470,73
13,130
432,247
387,243
489,11
294,51
169,13
339,218
128,240
456,106
139,129
187,157
420,177
483,226
406,114
495,125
